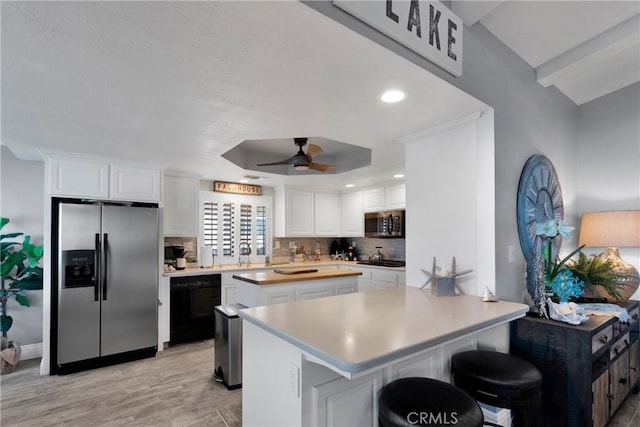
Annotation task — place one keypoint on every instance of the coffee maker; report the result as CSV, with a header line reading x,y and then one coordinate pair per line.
x,y
172,254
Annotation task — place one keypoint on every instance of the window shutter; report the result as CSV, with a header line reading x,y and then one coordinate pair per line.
x,y
210,223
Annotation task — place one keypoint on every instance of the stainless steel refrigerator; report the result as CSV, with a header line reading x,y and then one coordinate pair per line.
x,y
106,293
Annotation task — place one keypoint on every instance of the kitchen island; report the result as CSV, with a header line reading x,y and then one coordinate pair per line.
x,y
293,284
323,361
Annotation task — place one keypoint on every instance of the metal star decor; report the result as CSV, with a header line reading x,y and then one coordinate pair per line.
x,y
433,276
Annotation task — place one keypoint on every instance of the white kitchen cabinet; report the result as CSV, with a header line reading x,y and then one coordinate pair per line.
x,y
299,212
306,213
78,178
352,215
395,196
373,278
327,218
316,290
101,178
278,294
384,198
373,199
333,401
134,183
346,288
181,193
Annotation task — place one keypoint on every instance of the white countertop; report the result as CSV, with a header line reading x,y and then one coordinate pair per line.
x,y
229,268
362,330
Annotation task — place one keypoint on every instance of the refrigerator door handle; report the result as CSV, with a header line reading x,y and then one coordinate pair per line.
x,y
96,273
105,267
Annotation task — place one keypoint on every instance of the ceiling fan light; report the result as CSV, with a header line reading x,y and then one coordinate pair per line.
x,y
301,167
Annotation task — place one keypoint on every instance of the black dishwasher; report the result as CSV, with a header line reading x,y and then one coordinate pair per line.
x,y
193,299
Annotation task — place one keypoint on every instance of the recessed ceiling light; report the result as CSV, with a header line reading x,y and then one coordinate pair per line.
x,y
349,185
244,181
398,175
392,96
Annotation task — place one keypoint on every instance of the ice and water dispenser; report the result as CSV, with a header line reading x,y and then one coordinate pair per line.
x,y
78,268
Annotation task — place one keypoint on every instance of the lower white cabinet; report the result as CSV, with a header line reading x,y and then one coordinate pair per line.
x,y
256,295
334,401
338,401
373,278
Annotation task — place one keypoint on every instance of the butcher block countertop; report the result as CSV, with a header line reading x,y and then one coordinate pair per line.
x,y
291,275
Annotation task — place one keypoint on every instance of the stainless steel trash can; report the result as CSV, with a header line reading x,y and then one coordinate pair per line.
x,y
228,345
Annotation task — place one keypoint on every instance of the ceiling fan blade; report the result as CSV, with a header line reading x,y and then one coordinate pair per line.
x,y
281,162
313,150
321,167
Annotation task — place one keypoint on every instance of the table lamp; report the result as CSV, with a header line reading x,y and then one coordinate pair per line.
x,y
613,230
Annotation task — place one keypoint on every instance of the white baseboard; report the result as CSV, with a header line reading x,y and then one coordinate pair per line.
x,y
31,351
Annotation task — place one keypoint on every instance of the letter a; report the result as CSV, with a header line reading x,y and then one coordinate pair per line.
x,y
414,18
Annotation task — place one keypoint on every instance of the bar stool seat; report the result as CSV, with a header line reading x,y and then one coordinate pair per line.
x,y
499,379
419,401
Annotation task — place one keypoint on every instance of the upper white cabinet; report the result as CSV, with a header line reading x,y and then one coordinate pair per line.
x,y
79,176
299,212
384,198
181,193
71,177
352,215
327,218
306,213
395,196
373,199
133,183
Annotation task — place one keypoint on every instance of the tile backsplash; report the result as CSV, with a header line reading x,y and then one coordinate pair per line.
x,y
365,247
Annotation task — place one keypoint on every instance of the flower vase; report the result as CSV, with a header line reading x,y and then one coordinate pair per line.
x,y
537,287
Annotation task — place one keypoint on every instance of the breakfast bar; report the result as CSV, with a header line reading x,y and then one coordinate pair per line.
x,y
323,361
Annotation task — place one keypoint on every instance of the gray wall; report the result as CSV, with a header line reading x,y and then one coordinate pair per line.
x,y
22,201
609,158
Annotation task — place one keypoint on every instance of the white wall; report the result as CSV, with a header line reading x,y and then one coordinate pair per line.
x,y
22,201
450,199
529,119
609,158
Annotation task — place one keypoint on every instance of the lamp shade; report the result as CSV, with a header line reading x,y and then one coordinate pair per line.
x,y
618,229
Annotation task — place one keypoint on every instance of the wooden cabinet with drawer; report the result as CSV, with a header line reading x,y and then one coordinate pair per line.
x,y
588,370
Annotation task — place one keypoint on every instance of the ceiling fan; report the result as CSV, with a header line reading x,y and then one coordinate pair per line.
x,y
302,161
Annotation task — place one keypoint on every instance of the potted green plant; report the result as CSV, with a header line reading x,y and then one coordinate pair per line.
x,y
19,272
599,277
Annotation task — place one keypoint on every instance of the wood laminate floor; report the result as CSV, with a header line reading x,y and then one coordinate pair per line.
x,y
176,388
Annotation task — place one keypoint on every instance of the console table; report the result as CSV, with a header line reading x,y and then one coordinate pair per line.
x,y
587,370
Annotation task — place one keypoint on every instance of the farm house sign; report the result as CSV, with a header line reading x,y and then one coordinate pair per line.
x,y
237,188
427,27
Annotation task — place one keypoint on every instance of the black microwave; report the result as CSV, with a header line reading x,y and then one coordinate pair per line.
x,y
384,224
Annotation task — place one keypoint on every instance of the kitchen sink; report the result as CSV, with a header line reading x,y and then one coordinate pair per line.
x,y
384,263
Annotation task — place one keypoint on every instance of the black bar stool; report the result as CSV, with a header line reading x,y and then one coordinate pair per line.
x,y
501,380
426,402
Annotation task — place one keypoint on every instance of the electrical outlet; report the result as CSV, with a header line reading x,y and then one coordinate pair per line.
x,y
291,245
512,255
294,379
277,244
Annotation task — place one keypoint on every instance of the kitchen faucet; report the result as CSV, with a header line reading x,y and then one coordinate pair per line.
x,y
247,253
